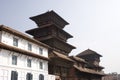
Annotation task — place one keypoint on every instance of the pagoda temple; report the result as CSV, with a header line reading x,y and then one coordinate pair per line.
x,y
93,58
50,31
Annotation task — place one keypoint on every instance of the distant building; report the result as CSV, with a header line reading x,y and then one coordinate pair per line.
x,y
50,31
107,77
22,57
111,76
118,76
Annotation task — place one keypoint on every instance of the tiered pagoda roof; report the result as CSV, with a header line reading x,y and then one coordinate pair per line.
x,y
48,18
92,57
50,31
45,27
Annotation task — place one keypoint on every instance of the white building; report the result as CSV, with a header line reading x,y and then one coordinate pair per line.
x,y
22,57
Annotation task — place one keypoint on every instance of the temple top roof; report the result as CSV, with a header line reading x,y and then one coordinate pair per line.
x,y
88,52
49,17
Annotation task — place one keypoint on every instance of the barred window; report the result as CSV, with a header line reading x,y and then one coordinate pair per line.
x,y
41,65
29,76
40,51
29,47
28,62
41,77
14,75
14,59
15,42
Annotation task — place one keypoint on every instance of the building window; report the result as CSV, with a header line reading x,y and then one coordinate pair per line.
x,y
14,59
28,62
65,71
14,75
40,51
29,47
57,70
29,76
15,42
41,65
41,77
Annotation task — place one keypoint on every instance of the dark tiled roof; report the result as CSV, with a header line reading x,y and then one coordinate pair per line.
x,y
47,26
62,56
78,59
88,52
90,71
94,66
50,13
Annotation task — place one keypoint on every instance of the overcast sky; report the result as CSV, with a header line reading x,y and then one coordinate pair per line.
x,y
95,24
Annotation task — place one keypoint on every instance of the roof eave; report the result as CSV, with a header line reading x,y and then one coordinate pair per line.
x,y
15,49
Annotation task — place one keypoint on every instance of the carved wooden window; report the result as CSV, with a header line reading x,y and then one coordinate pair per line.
x,y
57,70
64,71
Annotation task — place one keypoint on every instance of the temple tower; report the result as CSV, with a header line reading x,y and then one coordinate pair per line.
x,y
50,31
93,59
